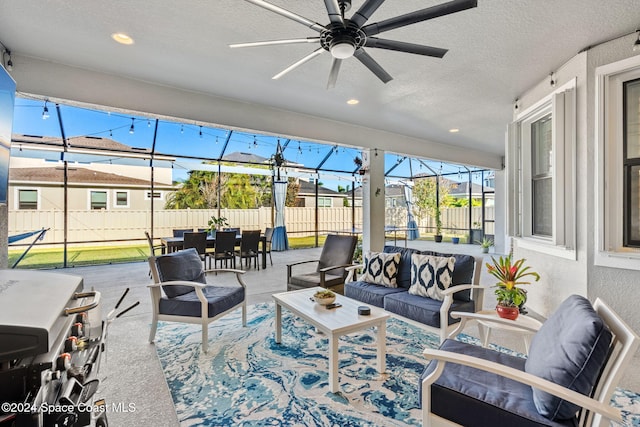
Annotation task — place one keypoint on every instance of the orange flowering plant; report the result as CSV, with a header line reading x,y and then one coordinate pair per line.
x,y
509,275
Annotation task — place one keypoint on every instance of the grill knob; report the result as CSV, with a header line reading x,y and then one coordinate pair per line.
x,y
77,329
63,362
71,344
82,317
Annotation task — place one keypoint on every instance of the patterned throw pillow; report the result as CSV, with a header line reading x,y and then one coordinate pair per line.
x,y
430,275
381,268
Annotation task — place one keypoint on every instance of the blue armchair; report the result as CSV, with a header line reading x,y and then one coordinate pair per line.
x,y
180,292
575,361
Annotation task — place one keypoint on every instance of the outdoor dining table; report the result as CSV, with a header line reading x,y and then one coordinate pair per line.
x,y
172,244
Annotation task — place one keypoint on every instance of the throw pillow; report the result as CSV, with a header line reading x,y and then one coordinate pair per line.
x,y
381,268
430,275
569,349
181,265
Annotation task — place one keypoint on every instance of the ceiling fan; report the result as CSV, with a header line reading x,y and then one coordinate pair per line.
x,y
347,37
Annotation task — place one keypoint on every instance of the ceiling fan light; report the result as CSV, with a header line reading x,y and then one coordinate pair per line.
x,y
343,50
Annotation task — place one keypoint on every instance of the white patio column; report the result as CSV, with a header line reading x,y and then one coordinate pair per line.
x,y
373,205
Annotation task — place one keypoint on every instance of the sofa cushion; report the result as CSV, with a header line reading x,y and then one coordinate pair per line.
x,y
181,265
220,299
381,268
569,349
421,309
404,267
463,273
492,400
431,275
369,293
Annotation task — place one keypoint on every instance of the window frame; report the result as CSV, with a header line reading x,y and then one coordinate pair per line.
x,y
325,199
562,243
89,201
147,195
115,198
17,198
609,249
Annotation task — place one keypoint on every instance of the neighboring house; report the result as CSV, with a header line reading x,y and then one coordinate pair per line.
x,y
327,198
395,197
42,189
37,184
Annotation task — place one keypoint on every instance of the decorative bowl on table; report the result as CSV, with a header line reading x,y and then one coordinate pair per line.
x,y
324,297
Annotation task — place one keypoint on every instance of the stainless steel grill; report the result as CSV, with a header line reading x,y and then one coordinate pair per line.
x,y
51,339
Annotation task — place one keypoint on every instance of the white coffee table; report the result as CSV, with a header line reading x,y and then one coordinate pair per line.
x,y
334,323
487,320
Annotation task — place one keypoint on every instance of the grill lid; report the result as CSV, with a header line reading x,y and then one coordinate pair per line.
x,y
32,307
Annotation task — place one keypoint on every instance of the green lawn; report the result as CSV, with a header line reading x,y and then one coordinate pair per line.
x,y
78,256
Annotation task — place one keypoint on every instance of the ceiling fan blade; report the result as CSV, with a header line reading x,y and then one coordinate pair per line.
x,y
405,47
276,42
333,74
296,64
418,16
287,14
333,9
365,11
372,65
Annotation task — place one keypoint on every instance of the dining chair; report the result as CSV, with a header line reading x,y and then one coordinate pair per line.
x,y
268,235
153,248
224,249
249,247
180,293
198,241
179,232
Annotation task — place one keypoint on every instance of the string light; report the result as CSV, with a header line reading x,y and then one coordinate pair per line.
x,y
132,128
181,129
299,148
148,123
111,133
200,133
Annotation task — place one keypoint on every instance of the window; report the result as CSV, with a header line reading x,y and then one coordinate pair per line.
x,y
122,199
618,164
541,187
541,176
324,202
27,199
98,200
631,162
156,195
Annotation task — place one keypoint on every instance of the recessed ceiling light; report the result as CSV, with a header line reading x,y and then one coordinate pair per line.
x,y
454,130
353,101
122,38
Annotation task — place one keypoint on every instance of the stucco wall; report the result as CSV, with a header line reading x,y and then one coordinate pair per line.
x,y
620,288
560,277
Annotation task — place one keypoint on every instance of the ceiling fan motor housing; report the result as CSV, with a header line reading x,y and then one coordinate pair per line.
x,y
342,41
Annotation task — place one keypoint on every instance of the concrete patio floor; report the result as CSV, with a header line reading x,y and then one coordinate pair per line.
x,y
131,366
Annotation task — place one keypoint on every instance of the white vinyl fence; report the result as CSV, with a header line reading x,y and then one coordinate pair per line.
x,y
97,227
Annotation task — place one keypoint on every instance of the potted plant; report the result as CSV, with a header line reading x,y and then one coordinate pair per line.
x,y
510,274
485,244
438,236
216,224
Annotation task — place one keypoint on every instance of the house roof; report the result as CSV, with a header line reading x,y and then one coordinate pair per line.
x,y
77,175
93,142
309,188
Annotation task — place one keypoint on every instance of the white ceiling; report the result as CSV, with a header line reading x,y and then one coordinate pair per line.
x,y
496,52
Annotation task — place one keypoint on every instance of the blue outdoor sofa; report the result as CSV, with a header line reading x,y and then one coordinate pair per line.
x,y
463,294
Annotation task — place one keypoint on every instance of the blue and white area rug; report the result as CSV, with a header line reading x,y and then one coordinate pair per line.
x,y
247,379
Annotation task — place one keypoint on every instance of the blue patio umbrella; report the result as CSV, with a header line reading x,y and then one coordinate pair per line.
x,y
413,232
279,241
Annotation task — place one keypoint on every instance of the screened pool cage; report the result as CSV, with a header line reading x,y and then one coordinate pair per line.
x,y
97,178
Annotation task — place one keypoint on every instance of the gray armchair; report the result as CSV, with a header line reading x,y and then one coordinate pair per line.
x,y
180,292
337,254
